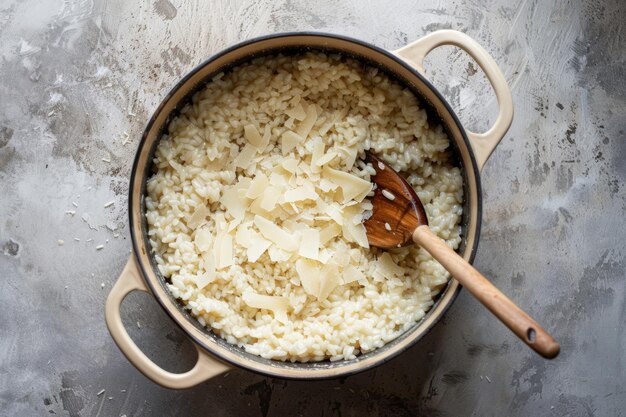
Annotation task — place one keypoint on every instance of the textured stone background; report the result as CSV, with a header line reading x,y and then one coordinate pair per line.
x,y
78,81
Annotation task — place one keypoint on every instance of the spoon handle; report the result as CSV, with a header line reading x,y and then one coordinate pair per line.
x,y
499,304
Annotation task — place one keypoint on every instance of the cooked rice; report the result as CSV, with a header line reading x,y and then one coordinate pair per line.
x,y
358,108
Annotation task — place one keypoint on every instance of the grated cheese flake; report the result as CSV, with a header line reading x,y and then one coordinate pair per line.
x,y
269,199
252,135
309,275
277,254
203,279
203,239
329,232
316,154
354,231
290,164
386,267
208,263
290,140
234,203
335,212
257,186
325,159
326,185
223,250
351,274
257,246
276,234
198,216
245,157
352,186
265,302
329,280
300,194
266,137
310,244
243,236
309,121
296,112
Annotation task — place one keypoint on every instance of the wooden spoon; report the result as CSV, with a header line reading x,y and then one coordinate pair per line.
x,y
399,219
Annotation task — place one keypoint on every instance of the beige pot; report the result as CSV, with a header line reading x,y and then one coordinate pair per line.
x,y
214,354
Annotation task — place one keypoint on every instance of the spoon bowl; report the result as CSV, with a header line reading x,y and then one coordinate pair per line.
x,y
398,210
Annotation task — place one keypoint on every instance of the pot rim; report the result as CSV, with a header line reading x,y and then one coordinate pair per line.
x,y
141,149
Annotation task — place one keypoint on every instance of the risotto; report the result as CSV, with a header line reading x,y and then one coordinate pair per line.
x,y
256,204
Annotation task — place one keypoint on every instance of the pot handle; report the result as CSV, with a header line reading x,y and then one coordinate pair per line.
x,y
206,366
483,144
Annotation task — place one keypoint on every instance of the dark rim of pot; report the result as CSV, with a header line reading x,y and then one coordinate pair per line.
x,y
183,81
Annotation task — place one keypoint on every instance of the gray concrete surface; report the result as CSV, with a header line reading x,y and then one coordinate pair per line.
x,y
78,81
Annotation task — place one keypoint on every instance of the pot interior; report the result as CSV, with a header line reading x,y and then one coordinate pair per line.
x,y
439,112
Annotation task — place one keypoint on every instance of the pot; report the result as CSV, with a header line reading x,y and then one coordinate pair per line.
x,y
215,355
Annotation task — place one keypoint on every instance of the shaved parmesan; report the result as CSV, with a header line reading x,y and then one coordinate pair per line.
x,y
220,221
386,267
329,232
300,194
269,199
325,159
208,261
252,135
352,186
341,255
307,124
316,154
204,279
235,205
255,208
203,239
243,236
295,100
355,233
326,185
290,165
351,274
335,212
257,186
297,112
309,275
277,254
278,179
233,224
267,302
276,234
325,256
290,140
328,281
257,246
225,249
266,137
350,158
310,243
198,216
245,157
